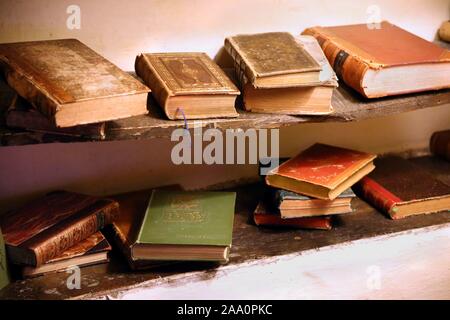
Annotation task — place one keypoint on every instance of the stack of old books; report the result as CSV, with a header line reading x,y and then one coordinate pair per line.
x,y
279,73
58,231
62,87
308,189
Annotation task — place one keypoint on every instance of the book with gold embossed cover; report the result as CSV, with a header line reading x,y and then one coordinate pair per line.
x,y
181,225
188,84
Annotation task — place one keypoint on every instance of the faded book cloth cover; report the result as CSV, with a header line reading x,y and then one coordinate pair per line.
x,y
188,218
265,215
397,181
268,54
43,229
55,73
4,273
440,144
183,73
280,195
352,49
324,165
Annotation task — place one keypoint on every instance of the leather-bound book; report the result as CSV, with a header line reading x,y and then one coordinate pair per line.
x,y
383,61
440,144
188,85
264,215
401,188
43,229
4,272
92,250
272,60
302,100
321,171
70,83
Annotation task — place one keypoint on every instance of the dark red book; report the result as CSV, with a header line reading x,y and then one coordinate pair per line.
x,y
265,216
321,171
400,189
45,228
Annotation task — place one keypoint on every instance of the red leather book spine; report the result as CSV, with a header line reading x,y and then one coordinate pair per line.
x,y
323,223
378,196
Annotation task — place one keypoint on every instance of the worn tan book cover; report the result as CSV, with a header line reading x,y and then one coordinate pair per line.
x,y
188,84
70,83
272,60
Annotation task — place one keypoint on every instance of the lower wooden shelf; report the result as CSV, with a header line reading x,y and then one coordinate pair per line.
x,y
251,246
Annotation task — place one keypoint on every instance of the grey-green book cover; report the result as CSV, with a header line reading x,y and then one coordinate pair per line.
x,y
188,218
4,275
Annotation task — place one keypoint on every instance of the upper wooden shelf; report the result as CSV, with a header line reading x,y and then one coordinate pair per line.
x,y
251,244
348,106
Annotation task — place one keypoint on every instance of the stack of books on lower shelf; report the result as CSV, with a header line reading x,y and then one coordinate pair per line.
x,y
308,189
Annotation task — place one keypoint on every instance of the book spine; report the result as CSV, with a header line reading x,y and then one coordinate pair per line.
x,y
347,66
243,70
440,144
160,90
378,196
321,223
67,236
24,85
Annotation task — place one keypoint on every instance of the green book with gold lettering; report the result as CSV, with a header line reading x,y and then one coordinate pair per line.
x,y
180,225
4,275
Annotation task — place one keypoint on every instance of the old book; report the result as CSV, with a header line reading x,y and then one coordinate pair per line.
x,y
186,226
4,272
322,171
440,144
301,100
188,85
383,61
294,205
264,215
43,229
70,83
92,250
272,60
400,189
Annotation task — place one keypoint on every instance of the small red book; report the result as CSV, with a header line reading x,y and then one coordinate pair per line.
x,y
322,171
400,188
263,216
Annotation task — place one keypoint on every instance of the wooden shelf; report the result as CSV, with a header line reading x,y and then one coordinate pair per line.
x,y
348,106
250,245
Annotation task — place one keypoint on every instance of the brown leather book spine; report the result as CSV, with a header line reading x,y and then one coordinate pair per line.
x,y
346,66
72,232
440,144
148,74
243,70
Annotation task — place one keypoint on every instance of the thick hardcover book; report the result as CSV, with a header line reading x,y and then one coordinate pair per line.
x,y
4,273
273,60
383,61
45,228
294,205
70,83
92,250
180,226
321,171
400,189
264,215
440,144
311,100
188,85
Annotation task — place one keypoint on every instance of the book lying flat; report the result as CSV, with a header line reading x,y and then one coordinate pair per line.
x,y
310,100
182,226
272,60
294,205
44,228
264,215
188,85
400,189
70,83
383,61
92,250
321,171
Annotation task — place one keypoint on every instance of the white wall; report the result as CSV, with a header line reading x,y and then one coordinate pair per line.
x,y
121,29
